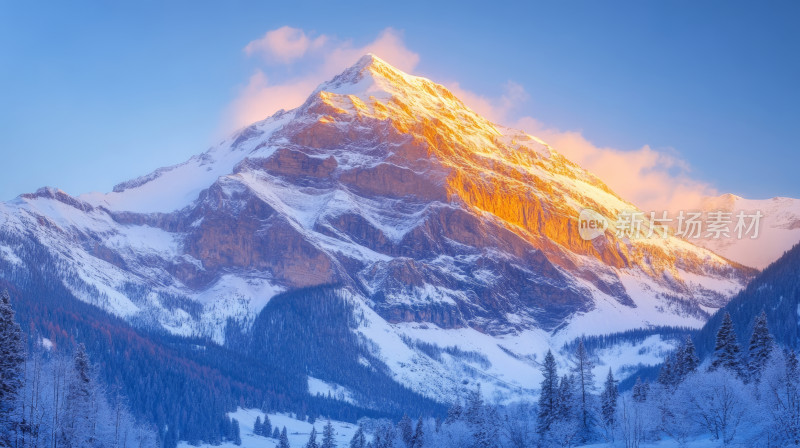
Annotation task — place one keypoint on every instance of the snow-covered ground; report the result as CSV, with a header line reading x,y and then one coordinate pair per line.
x,y
317,386
668,443
298,431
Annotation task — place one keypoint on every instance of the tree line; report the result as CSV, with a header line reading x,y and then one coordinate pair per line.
x,y
738,395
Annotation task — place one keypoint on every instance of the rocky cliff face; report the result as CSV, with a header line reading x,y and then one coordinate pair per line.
x,y
388,186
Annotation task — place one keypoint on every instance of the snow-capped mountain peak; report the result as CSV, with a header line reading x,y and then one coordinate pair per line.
x,y
436,223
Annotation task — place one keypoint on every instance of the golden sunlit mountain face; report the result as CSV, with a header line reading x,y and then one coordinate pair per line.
x,y
434,147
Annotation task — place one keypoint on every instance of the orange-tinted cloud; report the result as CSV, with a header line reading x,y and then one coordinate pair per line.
x,y
653,180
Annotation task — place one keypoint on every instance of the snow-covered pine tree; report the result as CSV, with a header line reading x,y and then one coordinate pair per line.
x,y
677,364
487,434
636,392
609,400
283,441
12,356
667,375
584,386
760,347
689,360
548,396
789,411
418,441
79,427
258,428
640,390
406,430
473,411
359,440
565,404
327,436
276,433
726,349
312,439
384,437
236,433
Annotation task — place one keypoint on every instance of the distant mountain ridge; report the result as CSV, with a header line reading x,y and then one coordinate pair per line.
x,y
778,229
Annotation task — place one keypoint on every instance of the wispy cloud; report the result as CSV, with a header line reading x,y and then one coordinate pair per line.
x,y
651,179
319,58
284,45
497,109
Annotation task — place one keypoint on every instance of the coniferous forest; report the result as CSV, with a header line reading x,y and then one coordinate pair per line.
x,y
744,392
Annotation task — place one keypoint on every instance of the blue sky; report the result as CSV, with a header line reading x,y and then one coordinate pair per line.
x,y
97,93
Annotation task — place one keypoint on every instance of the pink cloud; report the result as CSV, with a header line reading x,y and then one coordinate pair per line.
x,y
284,45
260,99
389,46
497,110
322,58
653,180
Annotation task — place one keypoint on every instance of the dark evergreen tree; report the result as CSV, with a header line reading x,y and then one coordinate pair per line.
x,y
78,428
640,390
789,421
276,433
727,354
283,441
565,404
760,347
359,440
384,437
584,387
609,400
486,434
225,430
688,361
473,412
667,376
548,396
312,439
236,434
258,428
406,430
418,441
12,357
327,436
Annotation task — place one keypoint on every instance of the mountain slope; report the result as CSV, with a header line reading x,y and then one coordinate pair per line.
x,y
437,226
775,291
